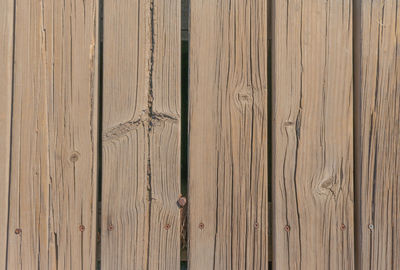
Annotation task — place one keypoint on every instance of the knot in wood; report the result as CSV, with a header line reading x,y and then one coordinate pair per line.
x,y
244,97
74,157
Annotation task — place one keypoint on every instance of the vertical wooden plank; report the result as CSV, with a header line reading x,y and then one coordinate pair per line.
x,y
141,135
378,91
54,136
312,135
6,57
228,203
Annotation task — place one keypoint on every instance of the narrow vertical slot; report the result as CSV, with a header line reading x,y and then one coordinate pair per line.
x,y
269,155
269,127
357,129
100,126
184,125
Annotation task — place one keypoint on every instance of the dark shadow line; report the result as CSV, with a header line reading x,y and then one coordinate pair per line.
x,y
100,133
357,130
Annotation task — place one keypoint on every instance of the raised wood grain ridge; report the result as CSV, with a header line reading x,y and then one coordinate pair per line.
x,y
53,180
378,80
6,59
141,135
312,133
228,206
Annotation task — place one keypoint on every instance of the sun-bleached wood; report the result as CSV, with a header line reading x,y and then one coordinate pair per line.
x,y
6,57
141,135
312,135
52,210
378,91
228,206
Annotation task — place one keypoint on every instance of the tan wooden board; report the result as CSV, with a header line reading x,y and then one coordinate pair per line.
x,y
141,135
228,206
52,212
312,135
378,91
6,57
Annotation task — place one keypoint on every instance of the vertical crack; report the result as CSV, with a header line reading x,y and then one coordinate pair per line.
x,y
150,99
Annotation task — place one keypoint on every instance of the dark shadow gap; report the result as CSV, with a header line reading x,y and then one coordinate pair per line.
x,y
184,126
269,134
271,125
184,144
100,133
357,129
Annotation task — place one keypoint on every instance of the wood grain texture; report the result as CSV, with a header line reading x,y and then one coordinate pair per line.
x,y
6,58
379,115
54,136
228,206
312,135
141,135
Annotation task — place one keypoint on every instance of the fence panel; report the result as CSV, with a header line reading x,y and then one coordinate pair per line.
x,y
6,53
326,214
228,205
54,136
312,135
141,135
378,44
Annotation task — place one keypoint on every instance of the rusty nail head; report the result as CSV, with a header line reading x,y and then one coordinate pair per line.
x,y
371,227
343,227
182,201
81,228
201,226
287,228
167,226
18,231
110,227
256,225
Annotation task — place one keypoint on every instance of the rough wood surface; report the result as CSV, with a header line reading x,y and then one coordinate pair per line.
x,y
54,136
379,115
312,135
6,57
141,135
228,206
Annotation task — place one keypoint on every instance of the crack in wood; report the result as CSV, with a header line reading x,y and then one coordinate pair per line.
x,y
147,120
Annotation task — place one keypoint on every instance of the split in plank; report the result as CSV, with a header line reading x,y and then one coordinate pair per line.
x,y
141,135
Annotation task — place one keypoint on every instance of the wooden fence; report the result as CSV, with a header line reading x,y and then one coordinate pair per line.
x,y
291,151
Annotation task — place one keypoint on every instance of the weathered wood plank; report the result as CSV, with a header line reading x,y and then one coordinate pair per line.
x,y
141,135
228,206
6,58
378,91
312,135
52,217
